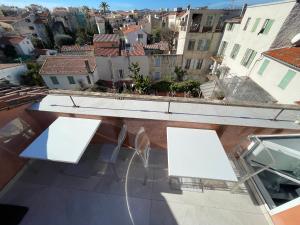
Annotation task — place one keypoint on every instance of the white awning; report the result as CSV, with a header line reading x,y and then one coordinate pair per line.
x,y
65,140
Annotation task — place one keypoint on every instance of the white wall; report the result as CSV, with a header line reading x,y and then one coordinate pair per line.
x,y
272,76
25,47
132,37
64,82
108,67
13,74
247,39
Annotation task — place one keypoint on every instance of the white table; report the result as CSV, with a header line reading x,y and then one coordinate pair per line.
x,y
65,140
197,153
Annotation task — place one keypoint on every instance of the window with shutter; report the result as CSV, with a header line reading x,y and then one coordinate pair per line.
x,y
263,67
235,51
287,79
255,25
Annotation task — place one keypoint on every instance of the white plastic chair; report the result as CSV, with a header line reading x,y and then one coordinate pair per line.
x,y
142,148
109,153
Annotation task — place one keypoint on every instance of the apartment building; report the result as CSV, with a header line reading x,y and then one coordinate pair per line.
x,y
278,72
31,26
200,33
134,34
245,39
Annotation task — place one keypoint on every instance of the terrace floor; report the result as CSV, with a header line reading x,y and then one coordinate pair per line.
x,y
88,194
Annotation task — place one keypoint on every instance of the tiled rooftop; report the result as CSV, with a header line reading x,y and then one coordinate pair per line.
x,y
88,193
76,48
66,65
131,28
100,51
287,55
106,38
8,65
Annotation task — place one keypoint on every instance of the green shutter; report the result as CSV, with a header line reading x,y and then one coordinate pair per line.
x,y
268,26
251,59
255,24
263,67
287,79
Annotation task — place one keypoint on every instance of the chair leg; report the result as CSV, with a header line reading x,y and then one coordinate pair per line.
x,y
146,176
115,171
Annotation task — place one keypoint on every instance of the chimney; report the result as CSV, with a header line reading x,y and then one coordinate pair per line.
x,y
87,66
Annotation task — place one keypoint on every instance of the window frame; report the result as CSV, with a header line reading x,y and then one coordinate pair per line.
x,y
71,80
54,80
263,67
222,49
266,27
187,64
235,50
286,80
248,57
199,64
255,25
189,48
247,23
157,61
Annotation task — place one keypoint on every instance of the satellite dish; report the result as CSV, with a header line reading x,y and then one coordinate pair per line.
x,y
296,40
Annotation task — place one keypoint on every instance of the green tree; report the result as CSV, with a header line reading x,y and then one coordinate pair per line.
x,y
32,77
50,35
180,73
168,36
10,51
141,84
104,7
81,37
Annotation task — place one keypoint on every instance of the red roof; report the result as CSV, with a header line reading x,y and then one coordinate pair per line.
x,y
98,51
67,65
136,50
287,55
9,65
106,38
76,48
13,40
131,28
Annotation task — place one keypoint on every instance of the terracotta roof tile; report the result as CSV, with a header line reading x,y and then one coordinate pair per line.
x,y
67,65
136,50
76,48
9,65
12,40
12,96
160,45
98,51
131,28
287,55
106,38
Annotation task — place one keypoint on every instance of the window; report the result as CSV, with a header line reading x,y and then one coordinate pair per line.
x,y
156,75
191,45
199,64
263,67
31,28
220,24
255,25
235,51
140,37
223,48
287,79
71,80
266,26
230,26
88,79
248,57
247,23
157,61
203,45
54,80
187,64
121,73
209,20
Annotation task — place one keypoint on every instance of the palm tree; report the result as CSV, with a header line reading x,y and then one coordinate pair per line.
x,y
104,7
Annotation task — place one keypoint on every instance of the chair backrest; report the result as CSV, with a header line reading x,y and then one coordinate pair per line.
x,y
142,146
121,138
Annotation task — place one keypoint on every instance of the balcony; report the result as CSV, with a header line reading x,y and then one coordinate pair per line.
x,y
88,193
